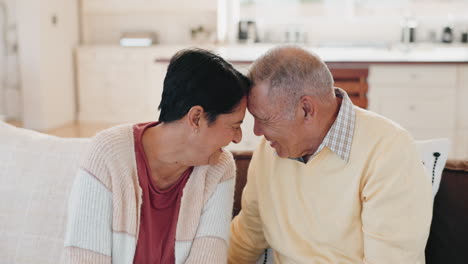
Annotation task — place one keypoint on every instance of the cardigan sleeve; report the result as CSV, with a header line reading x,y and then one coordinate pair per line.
x,y
211,240
88,237
247,240
396,204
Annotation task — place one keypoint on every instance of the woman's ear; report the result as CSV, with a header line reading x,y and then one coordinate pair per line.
x,y
195,115
307,107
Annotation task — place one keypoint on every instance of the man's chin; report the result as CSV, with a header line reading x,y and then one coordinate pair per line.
x,y
278,150
281,154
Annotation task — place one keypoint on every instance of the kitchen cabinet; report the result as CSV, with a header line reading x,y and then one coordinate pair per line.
x,y
422,98
462,112
460,150
118,86
462,96
125,85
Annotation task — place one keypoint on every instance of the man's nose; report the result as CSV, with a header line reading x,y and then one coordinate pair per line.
x,y
258,131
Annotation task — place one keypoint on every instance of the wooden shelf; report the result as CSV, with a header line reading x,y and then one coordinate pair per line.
x,y
354,82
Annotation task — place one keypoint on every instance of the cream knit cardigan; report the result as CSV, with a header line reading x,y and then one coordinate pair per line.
x,y
105,206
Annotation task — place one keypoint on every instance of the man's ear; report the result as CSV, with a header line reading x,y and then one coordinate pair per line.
x,y
307,106
194,116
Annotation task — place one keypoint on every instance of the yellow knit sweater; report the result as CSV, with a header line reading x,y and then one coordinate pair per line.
x,y
376,208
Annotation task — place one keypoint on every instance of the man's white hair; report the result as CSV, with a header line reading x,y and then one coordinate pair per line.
x,y
291,72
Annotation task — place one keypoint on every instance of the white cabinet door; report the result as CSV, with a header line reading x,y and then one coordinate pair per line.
x,y
461,144
128,91
93,87
411,76
421,98
114,86
422,113
462,97
462,113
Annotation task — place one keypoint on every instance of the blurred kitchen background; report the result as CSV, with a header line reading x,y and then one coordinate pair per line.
x,y
73,67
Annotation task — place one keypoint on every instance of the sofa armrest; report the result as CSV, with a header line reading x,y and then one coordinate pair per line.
x,y
448,238
457,165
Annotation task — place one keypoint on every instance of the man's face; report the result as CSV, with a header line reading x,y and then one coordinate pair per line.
x,y
284,135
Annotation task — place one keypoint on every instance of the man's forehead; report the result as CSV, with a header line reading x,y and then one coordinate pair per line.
x,y
261,111
253,106
261,88
258,94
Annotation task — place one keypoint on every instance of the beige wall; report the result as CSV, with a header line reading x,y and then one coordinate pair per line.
x,y
10,102
46,59
104,21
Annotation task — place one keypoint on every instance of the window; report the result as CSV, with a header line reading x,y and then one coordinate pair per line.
x,y
335,20
351,8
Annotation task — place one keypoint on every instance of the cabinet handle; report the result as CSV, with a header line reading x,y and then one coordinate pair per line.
x,y
161,60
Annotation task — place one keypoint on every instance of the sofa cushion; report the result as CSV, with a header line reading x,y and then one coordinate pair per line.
x,y
36,174
242,159
448,239
434,154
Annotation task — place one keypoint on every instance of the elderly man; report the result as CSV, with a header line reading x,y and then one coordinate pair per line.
x,y
330,182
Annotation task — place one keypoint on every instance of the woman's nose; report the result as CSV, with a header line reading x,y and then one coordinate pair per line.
x,y
237,136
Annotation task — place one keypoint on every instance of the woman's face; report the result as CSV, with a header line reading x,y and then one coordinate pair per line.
x,y
226,129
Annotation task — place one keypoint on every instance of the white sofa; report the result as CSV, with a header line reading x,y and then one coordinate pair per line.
x,y
36,174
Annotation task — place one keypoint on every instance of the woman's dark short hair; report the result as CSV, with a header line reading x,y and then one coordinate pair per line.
x,y
199,77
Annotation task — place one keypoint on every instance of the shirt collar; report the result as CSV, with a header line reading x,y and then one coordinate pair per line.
x,y
340,136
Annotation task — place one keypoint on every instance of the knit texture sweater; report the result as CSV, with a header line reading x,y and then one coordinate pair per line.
x,y
105,206
375,208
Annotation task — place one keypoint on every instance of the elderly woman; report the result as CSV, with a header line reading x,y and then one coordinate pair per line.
x,y
162,192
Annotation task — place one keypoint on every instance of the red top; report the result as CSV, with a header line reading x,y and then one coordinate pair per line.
x,y
159,210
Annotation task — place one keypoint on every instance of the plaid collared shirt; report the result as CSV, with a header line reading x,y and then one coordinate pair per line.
x,y
340,136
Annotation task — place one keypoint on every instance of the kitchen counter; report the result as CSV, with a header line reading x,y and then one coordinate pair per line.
x,y
397,54
424,88
415,53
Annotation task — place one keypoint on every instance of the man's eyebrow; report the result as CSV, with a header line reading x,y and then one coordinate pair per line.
x,y
255,116
259,118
